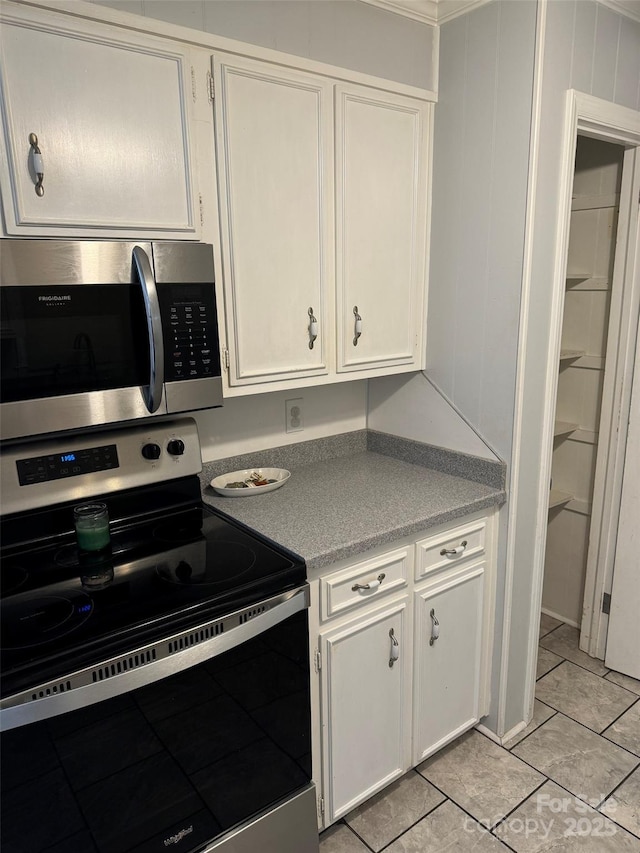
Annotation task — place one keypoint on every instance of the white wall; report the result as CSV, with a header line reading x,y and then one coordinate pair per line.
x,y
409,406
479,195
245,424
346,33
482,133
588,47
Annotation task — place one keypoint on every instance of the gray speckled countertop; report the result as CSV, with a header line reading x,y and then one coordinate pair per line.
x,y
340,507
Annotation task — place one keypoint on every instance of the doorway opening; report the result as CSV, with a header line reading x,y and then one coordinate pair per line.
x,y
585,331
589,435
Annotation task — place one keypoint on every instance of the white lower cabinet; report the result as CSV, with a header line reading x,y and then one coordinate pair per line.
x,y
366,712
448,657
382,708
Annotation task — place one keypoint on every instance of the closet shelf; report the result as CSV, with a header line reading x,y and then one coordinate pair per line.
x,y
564,428
576,278
594,202
558,498
566,354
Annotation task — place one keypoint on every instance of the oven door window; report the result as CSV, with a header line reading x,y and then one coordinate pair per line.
x,y
172,765
70,340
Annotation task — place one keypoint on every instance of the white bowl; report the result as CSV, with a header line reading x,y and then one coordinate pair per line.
x,y
219,484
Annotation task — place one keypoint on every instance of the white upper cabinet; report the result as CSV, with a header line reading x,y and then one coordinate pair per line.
x,y
111,112
275,169
381,228
324,196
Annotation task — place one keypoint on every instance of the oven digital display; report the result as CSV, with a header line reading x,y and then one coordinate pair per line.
x,y
73,463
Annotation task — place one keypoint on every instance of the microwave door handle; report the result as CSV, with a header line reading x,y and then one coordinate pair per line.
x,y
154,328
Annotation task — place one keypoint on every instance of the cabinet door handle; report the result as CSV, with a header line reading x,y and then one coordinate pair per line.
x,y
313,328
38,164
435,627
357,326
454,552
364,587
395,648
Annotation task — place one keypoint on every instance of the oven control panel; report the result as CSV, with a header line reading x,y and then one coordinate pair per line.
x,y
64,468
69,463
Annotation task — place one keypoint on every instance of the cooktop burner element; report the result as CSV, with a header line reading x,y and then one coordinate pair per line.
x,y
224,561
31,621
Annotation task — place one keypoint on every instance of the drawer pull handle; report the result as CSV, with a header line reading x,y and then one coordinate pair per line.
x,y
454,552
366,587
395,648
435,627
38,164
357,328
313,328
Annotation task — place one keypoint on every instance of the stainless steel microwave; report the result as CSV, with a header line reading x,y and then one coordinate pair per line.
x,y
96,333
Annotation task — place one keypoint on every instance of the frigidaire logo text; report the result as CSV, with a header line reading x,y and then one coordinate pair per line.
x,y
175,839
65,298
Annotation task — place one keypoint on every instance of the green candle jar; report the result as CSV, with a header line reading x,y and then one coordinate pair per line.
x,y
92,527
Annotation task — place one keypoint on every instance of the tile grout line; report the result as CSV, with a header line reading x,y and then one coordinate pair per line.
x,y
584,726
586,669
618,786
555,711
632,705
515,808
462,808
416,822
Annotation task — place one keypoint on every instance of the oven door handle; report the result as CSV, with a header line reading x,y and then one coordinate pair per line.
x,y
153,396
23,709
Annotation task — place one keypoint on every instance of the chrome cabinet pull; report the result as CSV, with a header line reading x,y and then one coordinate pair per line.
x,y
38,164
363,587
313,328
395,648
435,627
358,325
454,552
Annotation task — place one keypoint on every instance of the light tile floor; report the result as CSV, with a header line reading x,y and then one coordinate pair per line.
x,y
569,782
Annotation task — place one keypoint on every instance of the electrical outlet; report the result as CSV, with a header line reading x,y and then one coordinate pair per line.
x,y
294,415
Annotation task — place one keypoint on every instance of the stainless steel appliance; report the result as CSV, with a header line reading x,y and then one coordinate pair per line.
x,y
155,695
93,333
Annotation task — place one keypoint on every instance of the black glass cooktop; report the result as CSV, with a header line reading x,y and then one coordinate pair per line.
x,y
164,573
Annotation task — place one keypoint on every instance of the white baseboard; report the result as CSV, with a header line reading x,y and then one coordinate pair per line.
x,y
559,616
507,737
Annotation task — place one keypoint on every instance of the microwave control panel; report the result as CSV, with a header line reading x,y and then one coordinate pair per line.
x,y
71,463
191,349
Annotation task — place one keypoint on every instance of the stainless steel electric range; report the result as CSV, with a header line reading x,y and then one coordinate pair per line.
x,y
155,694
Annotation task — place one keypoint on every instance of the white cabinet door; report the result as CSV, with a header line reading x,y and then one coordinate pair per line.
x,y
381,225
365,707
111,115
275,169
448,656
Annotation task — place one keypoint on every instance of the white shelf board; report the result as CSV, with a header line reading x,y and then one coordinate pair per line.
x,y
594,202
576,277
564,427
566,354
584,281
558,498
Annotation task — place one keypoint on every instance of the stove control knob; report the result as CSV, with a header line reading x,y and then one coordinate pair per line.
x,y
151,451
176,447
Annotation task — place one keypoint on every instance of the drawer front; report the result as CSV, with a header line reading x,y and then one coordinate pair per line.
x,y
363,582
450,547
